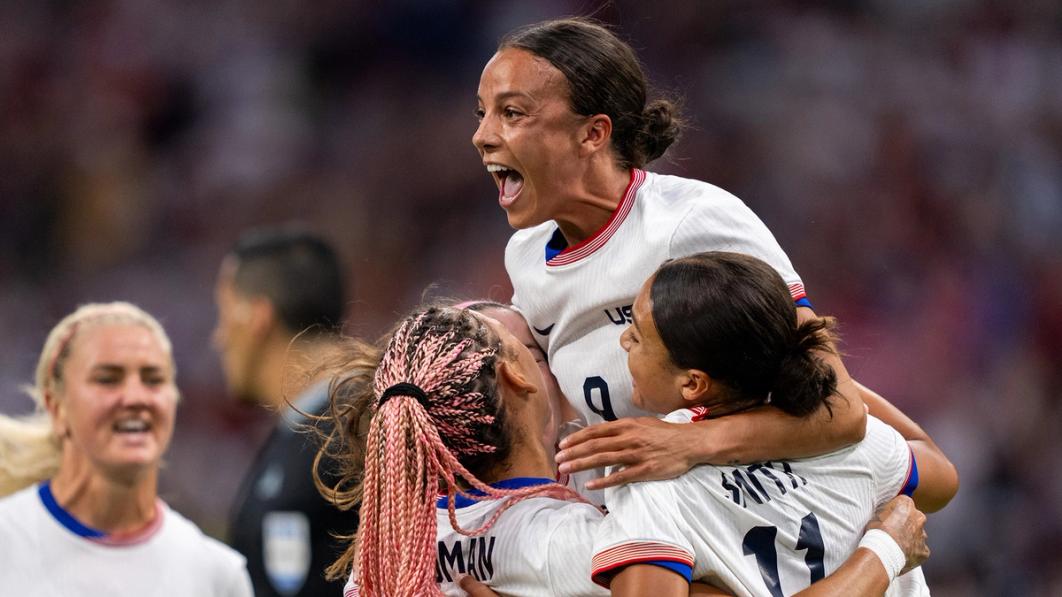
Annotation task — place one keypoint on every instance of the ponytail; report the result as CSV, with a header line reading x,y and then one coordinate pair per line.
x,y
661,127
804,380
438,422
29,451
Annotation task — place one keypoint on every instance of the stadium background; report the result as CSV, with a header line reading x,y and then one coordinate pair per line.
x,y
907,154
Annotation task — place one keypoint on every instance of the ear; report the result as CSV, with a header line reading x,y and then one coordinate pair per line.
x,y
514,379
597,134
57,412
261,316
696,386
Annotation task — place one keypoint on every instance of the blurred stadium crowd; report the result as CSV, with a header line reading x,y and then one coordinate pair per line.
x,y
908,155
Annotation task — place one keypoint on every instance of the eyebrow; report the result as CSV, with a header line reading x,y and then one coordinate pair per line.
x,y
112,368
508,94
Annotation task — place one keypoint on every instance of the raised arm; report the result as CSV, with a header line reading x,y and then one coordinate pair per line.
x,y
938,479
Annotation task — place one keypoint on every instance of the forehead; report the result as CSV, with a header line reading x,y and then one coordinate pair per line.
x,y
643,302
227,273
512,70
511,321
130,344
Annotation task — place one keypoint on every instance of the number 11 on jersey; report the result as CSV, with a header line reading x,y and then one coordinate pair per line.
x,y
760,542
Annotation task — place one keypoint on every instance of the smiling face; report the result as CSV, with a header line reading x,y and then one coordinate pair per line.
x,y
115,407
528,135
658,382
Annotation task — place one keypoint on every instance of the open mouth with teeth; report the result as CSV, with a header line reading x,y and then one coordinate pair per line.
x,y
131,426
510,183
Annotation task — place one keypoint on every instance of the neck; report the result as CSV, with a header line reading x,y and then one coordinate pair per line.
x,y
112,504
527,459
288,368
592,201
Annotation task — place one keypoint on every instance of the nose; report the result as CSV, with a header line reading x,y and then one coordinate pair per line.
x,y
625,339
486,136
136,392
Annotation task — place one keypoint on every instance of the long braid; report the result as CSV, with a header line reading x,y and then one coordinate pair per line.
x,y
416,448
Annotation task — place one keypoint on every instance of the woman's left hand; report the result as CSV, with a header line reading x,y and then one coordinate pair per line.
x,y
648,449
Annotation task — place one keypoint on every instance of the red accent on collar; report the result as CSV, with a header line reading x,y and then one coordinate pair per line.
x,y
599,238
138,536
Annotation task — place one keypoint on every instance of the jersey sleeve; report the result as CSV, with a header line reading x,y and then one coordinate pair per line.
x,y
641,528
890,459
240,584
569,547
722,222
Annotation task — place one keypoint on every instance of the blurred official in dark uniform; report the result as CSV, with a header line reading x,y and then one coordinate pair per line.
x,y
280,299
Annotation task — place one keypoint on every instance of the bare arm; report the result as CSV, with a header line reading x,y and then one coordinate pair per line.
x,y
938,479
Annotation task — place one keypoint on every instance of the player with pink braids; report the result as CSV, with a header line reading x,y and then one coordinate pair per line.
x,y
459,413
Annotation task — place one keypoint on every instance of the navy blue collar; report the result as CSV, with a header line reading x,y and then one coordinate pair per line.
x,y
556,245
462,501
65,518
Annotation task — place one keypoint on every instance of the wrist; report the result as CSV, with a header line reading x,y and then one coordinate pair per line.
x,y
703,442
888,552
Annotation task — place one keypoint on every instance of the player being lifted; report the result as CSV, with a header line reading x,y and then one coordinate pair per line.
x,y
565,130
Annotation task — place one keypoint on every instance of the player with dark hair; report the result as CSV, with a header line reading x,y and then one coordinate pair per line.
x,y
566,127
280,299
714,335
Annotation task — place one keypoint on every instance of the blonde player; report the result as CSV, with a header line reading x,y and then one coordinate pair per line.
x,y
565,131
715,334
90,521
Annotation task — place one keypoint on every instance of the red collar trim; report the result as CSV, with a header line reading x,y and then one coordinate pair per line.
x,y
138,536
599,238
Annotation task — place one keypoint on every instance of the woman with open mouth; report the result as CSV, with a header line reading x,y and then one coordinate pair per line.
x,y
565,130
85,517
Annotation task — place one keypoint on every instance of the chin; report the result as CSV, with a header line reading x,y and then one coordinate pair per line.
x,y
521,219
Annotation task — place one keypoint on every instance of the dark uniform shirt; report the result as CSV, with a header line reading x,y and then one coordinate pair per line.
x,y
280,523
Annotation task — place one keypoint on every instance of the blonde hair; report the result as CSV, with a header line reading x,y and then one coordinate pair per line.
x,y
29,448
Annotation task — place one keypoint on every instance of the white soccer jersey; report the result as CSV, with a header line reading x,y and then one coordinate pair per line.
x,y
46,552
765,529
540,546
578,302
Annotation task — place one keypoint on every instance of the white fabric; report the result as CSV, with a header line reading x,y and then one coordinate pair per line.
x,y
887,550
540,546
587,302
43,558
720,517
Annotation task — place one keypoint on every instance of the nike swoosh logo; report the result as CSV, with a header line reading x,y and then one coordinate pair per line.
x,y
544,332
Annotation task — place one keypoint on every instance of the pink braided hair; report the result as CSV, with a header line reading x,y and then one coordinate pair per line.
x,y
449,354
